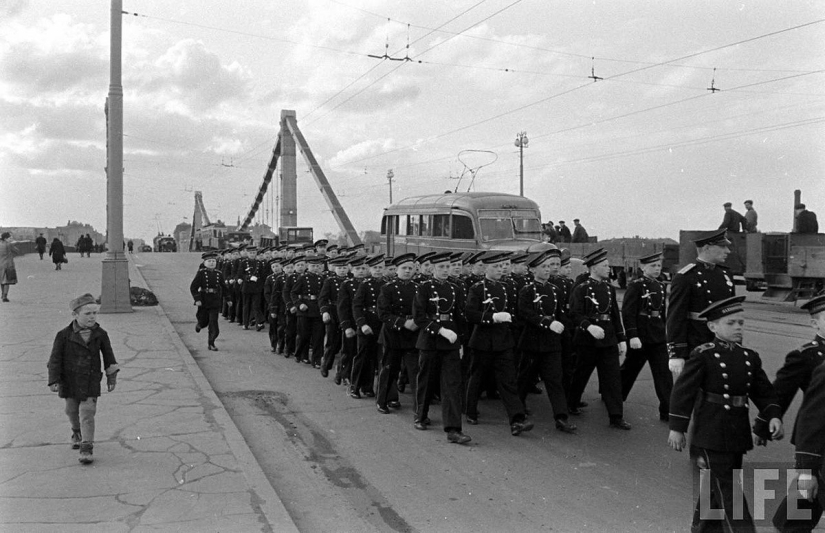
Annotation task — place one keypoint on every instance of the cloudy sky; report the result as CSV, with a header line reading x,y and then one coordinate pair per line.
x,y
645,150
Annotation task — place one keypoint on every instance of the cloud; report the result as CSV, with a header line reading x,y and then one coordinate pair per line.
x,y
361,150
191,78
13,8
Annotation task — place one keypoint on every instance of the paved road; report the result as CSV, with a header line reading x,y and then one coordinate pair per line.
x,y
339,465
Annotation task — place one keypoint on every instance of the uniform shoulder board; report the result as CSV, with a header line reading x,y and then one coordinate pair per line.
x,y
705,347
687,268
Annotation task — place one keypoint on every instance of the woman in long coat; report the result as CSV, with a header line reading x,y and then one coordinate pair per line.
x,y
8,274
58,253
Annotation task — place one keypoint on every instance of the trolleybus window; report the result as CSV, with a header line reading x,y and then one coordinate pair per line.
x,y
462,227
495,229
440,225
527,228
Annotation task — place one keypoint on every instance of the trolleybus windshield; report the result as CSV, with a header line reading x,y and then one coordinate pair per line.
x,y
508,224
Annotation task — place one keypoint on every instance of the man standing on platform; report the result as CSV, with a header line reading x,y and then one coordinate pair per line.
x,y
733,221
643,313
694,288
599,338
751,217
564,233
579,233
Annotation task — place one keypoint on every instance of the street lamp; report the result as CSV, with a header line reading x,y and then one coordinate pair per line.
x,y
521,141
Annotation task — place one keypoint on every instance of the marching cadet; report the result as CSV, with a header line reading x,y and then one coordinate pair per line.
x,y
564,283
332,251
643,313
304,293
346,294
234,312
368,329
719,380
272,300
327,301
395,309
207,291
437,313
425,268
796,374
252,275
299,264
389,269
693,288
476,269
810,446
225,267
490,312
599,339
538,307
277,303
237,282
321,246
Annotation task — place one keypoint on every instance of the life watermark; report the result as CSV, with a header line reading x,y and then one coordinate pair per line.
x,y
766,492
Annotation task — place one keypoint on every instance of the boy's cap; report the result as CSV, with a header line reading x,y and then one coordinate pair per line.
x,y
541,257
652,258
403,258
722,308
356,261
456,257
339,261
332,247
375,260
439,257
321,242
595,257
815,305
423,258
565,256
494,257
475,258
80,301
209,255
519,257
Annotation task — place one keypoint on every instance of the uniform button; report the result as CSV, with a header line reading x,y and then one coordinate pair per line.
x,y
723,365
726,396
724,376
726,386
748,363
727,407
716,355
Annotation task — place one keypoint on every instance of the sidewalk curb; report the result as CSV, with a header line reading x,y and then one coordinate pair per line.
x,y
268,501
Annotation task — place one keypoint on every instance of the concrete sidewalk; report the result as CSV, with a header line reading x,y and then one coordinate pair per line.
x,y
167,455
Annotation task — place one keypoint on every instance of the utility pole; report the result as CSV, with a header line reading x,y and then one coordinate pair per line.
x,y
114,295
390,176
521,141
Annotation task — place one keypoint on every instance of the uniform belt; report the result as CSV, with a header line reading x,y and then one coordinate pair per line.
x,y
654,314
440,316
726,399
601,318
695,316
312,297
211,291
371,308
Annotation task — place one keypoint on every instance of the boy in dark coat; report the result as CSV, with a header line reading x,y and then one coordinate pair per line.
x,y
207,292
75,371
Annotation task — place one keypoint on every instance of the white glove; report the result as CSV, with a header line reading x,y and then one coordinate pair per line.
x,y
557,327
366,330
326,318
448,334
502,316
596,331
636,343
676,366
622,349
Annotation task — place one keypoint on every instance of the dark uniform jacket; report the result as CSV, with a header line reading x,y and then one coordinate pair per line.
x,y
395,307
306,290
346,294
795,375
732,375
275,303
538,307
207,288
286,292
643,311
328,299
694,288
461,286
252,274
76,366
483,299
437,305
810,437
593,302
365,305
565,288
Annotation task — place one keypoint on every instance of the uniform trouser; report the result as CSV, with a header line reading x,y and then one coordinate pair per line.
x,y
252,309
310,335
798,524
501,364
547,365
713,480
606,361
656,356
290,332
82,416
391,362
349,345
332,344
363,364
273,328
440,367
238,307
208,318
568,361
281,331
225,305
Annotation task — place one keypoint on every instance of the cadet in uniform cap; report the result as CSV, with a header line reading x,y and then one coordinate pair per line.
x,y
310,328
359,249
798,374
693,288
365,312
719,380
207,292
599,338
437,312
399,332
643,313
490,311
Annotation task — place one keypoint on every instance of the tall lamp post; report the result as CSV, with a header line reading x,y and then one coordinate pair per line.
x,y
390,176
114,295
521,141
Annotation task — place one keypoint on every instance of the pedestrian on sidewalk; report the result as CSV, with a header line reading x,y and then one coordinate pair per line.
x,y
40,243
58,254
8,274
75,371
